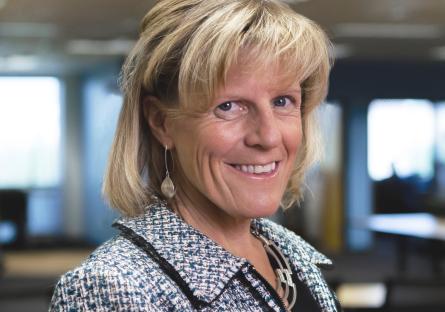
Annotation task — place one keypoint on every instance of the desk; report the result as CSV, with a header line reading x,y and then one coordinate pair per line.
x,y
419,225
32,274
405,227
42,263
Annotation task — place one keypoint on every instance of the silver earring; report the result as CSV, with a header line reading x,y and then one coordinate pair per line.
x,y
167,186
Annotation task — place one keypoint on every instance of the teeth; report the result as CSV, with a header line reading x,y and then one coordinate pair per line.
x,y
257,169
261,169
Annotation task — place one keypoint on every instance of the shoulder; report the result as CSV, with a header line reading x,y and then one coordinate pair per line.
x,y
113,277
293,245
117,257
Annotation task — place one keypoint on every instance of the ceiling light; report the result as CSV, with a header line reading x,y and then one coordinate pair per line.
x,y
100,47
401,31
18,63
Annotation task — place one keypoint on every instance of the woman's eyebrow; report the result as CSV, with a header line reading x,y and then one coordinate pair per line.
x,y
288,90
293,90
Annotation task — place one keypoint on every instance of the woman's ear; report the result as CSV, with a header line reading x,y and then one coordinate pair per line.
x,y
157,120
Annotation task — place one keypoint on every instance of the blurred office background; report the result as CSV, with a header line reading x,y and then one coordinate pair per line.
x,y
375,203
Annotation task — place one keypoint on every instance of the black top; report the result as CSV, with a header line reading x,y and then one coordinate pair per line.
x,y
305,301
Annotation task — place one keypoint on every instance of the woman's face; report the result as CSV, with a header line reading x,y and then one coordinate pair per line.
x,y
237,158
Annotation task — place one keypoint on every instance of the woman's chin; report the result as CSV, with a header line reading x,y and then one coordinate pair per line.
x,y
263,210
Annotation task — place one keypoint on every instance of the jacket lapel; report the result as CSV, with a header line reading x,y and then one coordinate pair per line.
x,y
202,264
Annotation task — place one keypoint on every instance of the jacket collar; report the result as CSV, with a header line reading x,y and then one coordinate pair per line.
x,y
298,251
202,264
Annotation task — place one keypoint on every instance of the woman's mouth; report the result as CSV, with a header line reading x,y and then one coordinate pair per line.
x,y
254,169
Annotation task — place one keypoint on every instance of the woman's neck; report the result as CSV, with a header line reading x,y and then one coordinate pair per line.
x,y
232,233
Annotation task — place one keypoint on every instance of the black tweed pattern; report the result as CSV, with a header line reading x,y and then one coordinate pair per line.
x,y
160,263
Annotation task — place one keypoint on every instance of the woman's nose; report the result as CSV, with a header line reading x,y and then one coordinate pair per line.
x,y
264,131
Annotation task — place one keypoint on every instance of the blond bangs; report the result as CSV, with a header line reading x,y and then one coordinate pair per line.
x,y
268,33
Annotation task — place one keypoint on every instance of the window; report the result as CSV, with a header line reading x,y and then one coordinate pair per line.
x,y
29,132
401,138
440,132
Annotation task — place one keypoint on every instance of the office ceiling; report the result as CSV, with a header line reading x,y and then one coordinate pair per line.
x,y
57,37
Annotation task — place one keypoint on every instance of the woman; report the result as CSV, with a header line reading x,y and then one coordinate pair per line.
x,y
214,134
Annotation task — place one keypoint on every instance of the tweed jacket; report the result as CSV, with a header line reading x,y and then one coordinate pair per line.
x,y
160,263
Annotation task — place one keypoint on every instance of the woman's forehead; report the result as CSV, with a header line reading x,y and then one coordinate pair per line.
x,y
273,73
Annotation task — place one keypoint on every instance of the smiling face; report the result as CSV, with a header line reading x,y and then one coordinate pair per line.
x,y
237,158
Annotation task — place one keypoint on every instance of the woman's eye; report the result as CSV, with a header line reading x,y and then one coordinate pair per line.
x,y
283,101
226,106
229,110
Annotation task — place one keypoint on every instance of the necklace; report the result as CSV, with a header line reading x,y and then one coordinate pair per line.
x,y
283,270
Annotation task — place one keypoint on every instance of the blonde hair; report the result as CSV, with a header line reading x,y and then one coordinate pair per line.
x,y
183,54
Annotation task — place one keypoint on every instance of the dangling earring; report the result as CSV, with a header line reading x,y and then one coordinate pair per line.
x,y
167,186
